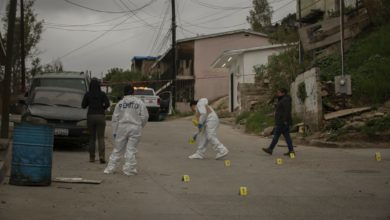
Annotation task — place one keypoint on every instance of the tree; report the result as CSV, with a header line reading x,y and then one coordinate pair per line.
x,y
33,29
54,67
119,77
36,66
286,32
260,16
282,68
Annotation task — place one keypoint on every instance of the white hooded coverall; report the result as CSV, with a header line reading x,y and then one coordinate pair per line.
x,y
210,122
129,117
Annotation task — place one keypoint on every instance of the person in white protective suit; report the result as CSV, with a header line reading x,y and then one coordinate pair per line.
x,y
207,122
129,117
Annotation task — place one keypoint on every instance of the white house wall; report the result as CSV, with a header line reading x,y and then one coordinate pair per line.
x,y
244,71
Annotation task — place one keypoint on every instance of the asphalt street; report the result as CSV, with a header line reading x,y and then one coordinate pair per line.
x,y
320,183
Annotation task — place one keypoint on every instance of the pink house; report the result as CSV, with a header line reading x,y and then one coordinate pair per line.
x,y
196,78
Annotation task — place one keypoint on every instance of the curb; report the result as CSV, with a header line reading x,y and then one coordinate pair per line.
x,y
350,145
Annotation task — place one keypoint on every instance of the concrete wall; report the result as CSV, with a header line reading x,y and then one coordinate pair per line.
x,y
183,106
213,83
324,5
311,110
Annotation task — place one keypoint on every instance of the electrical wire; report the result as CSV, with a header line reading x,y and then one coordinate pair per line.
x,y
90,30
93,40
164,42
218,7
285,5
135,15
111,12
89,24
158,34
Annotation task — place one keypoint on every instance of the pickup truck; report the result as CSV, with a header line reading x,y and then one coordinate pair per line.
x,y
151,100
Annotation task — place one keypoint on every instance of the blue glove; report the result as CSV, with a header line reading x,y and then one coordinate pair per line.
x,y
200,126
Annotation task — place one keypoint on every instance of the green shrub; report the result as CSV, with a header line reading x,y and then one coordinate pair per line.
x,y
367,61
335,124
376,125
257,120
242,117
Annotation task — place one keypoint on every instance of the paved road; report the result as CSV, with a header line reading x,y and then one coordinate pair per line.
x,y
319,184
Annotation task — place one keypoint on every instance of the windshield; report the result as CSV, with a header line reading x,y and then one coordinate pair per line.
x,y
143,92
71,83
59,98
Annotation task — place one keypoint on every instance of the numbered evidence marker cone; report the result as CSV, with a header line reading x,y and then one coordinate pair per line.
x,y
186,178
279,161
227,163
191,140
292,155
243,191
378,156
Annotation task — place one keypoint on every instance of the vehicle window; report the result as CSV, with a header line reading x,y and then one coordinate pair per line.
x,y
143,92
165,95
60,82
60,98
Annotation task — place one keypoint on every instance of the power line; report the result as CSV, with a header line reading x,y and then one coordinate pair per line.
x,y
89,24
188,31
159,30
93,40
218,7
216,19
90,30
135,15
100,49
219,27
283,6
164,42
110,12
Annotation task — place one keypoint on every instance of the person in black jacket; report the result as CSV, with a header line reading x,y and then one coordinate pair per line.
x,y
283,121
97,102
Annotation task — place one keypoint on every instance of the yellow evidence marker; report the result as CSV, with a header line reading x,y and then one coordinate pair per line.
x,y
227,163
243,191
186,178
191,140
195,122
279,161
292,155
378,156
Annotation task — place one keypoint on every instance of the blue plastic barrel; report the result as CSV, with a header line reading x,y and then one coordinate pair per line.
x,y
32,155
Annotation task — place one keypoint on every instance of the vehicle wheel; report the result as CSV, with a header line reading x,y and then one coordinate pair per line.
x,y
156,117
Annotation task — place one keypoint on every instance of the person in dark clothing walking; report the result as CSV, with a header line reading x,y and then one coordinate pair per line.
x,y
283,121
97,102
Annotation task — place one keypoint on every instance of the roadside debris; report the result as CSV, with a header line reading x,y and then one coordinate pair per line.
x,y
345,112
75,180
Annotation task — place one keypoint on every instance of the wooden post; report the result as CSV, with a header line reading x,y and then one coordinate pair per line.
x,y
8,70
22,48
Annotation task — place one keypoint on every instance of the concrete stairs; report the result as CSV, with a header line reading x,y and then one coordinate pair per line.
x,y
253,94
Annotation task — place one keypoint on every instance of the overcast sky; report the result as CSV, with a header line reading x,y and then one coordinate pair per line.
x,y
108,35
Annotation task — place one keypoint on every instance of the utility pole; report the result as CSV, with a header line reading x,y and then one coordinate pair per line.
x,y
174,54
300,49
342,35
22,47
8,70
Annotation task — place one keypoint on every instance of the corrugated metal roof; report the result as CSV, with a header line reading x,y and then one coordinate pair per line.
x,y
244,31
224,57
247,31
145,58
